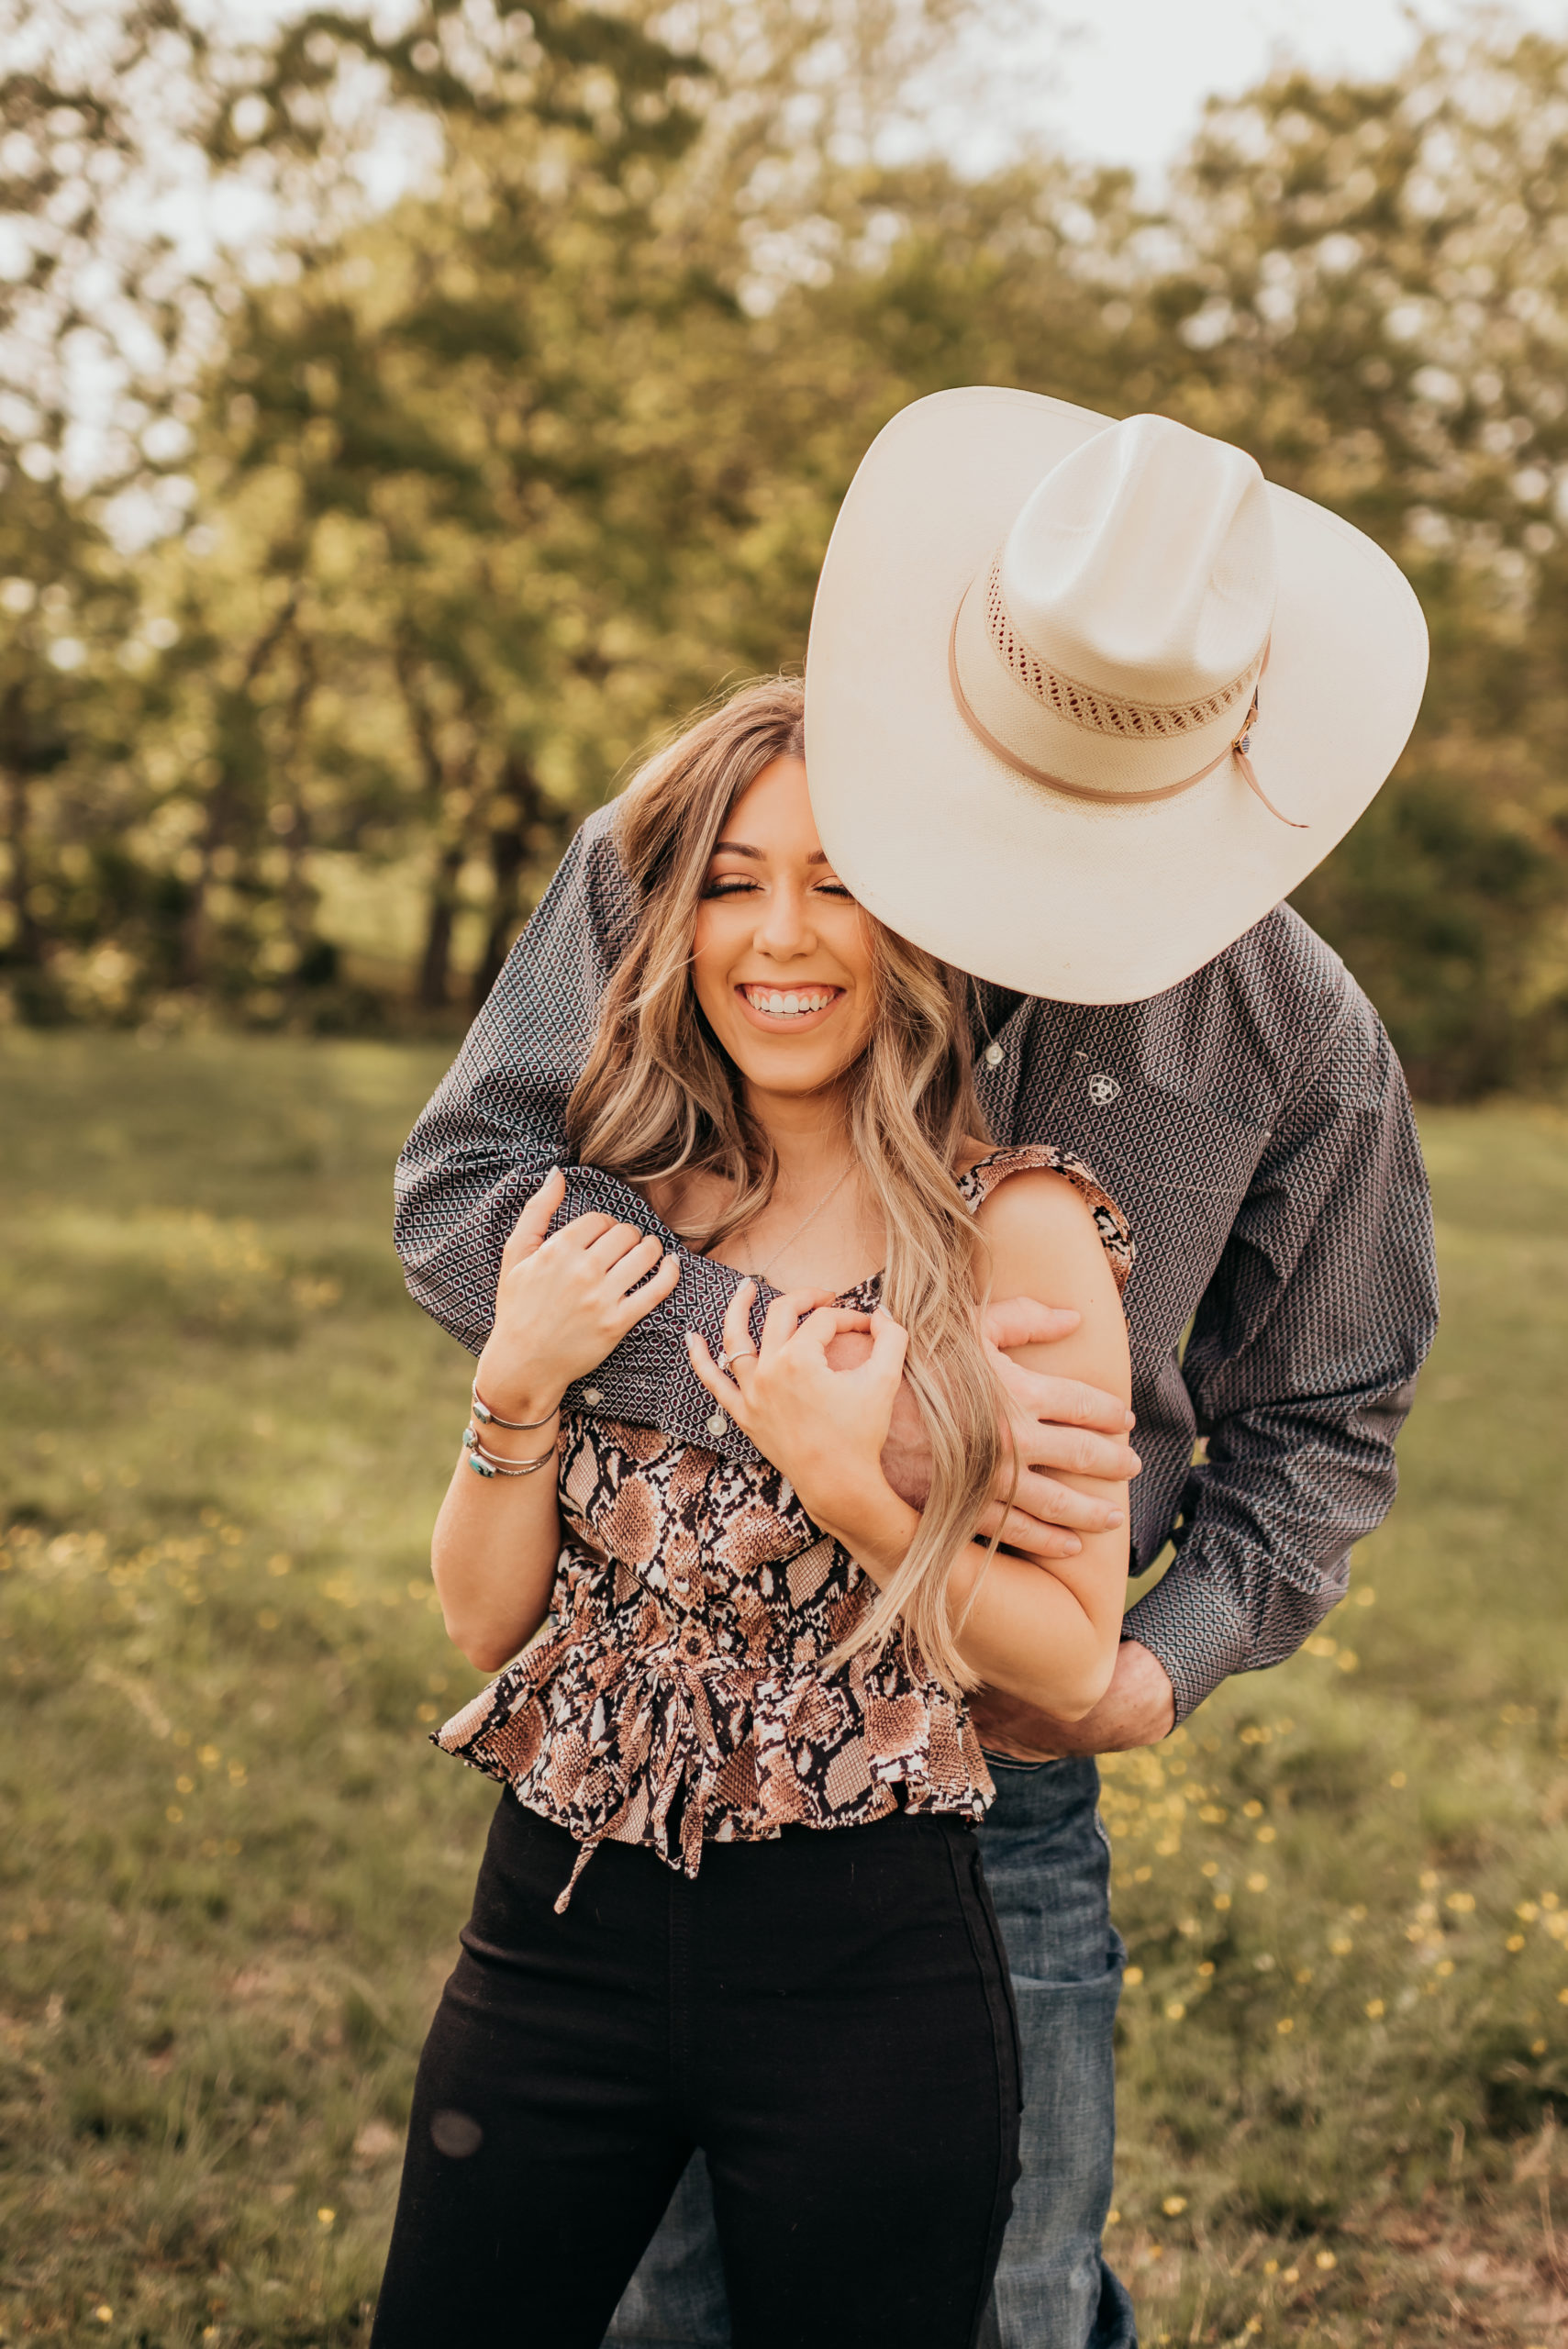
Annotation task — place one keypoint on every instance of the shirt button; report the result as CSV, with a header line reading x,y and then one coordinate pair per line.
x,y
592,1394
717,1423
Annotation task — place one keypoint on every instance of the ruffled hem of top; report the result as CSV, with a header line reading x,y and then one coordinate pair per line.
x,y
761,1750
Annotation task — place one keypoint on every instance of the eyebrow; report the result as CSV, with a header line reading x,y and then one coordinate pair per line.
x,y
738,848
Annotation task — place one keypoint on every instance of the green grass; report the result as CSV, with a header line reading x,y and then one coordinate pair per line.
x,y
232,1869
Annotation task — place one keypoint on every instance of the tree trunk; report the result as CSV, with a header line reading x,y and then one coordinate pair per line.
x,y
223,805
26,949
433,985
191,968
299,895
512,826
17,766
435,964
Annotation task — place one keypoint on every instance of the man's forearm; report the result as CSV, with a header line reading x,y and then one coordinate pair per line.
x,y
1301,1365
456,1210
1263,1553
496,1125
1138,1708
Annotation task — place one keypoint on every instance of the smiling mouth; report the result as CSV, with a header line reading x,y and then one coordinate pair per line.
x,y
789,1003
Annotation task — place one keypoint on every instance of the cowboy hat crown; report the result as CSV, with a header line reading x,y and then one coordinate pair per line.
x,y
1085,699
1122,623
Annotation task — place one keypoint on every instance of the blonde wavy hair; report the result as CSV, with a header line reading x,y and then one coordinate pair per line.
x,y
659,1101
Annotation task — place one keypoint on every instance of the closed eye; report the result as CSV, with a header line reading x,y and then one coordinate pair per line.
x,y
735,884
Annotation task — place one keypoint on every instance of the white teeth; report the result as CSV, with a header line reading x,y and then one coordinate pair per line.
x,y
794,1006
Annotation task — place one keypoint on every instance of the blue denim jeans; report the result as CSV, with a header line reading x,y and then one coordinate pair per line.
x,y
1048,1865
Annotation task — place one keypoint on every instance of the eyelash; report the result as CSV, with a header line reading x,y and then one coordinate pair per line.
x,y
735,886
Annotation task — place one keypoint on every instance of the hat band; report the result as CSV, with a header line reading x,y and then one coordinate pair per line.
x,y
1087,706
1236,748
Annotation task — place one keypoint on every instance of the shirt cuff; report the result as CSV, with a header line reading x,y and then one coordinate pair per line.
x,y
1189,1628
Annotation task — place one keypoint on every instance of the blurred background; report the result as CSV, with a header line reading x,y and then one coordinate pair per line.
x,y
404,411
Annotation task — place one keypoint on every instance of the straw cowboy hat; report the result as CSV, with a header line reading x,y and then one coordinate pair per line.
x,y
1085,699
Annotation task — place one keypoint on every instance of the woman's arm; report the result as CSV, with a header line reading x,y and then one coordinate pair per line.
x,y
1035,1228
561,1304
496,1545
1046,1633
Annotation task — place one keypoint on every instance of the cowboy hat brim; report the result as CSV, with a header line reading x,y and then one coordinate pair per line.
x,y
1085,901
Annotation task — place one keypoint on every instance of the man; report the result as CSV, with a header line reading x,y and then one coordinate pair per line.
x,y
1247,1113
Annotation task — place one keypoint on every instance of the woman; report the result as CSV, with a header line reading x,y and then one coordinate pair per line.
x,y
730,1896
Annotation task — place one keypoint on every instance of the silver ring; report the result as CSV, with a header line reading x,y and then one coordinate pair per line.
x,y
745,1354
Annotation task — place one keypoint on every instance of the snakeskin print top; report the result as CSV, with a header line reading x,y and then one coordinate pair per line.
x,y
677,1694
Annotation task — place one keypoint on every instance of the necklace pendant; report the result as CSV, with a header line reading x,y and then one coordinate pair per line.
x,y
994,1056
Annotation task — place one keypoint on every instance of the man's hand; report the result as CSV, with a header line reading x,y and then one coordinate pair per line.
x,y
1138,1708
1053,1423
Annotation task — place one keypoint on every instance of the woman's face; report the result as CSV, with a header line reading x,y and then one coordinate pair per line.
x,y
782,959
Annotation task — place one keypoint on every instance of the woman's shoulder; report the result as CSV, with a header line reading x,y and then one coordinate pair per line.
x,y
1065,1188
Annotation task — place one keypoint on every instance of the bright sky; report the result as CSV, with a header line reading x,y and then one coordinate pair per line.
x,y
1127,84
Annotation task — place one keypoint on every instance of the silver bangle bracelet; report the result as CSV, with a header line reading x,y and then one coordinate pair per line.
x,y
492,1464
489,1419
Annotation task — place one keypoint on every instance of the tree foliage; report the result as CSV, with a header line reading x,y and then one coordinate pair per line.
x,y
401,536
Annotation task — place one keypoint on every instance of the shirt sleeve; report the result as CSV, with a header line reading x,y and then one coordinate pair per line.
x,y
1301,1365
496,1126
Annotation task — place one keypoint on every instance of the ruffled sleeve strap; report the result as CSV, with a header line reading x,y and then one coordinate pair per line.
x,y
1044,1157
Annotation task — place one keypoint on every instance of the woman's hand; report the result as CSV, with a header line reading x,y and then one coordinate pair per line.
x,y
564,1302
823,1428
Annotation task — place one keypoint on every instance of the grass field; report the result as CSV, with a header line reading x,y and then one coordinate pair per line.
x,y
232,1869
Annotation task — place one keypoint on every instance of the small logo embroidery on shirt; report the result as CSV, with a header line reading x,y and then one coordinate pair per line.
x,y
1103,1089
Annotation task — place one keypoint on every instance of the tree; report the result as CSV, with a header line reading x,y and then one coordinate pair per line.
x,y
479,486
92,328
1375,300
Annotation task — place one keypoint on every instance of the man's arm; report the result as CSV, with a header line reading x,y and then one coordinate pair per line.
x,y
1302,1365
496,1126
497,1123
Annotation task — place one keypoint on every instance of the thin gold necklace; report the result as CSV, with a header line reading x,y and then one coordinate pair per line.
x,y
759,1272
994,1055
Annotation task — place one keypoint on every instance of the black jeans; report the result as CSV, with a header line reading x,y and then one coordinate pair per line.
x,y
827,2016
